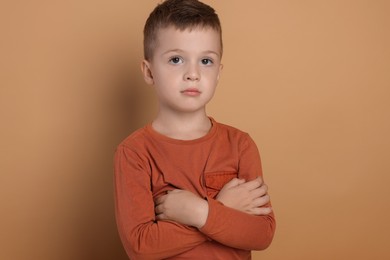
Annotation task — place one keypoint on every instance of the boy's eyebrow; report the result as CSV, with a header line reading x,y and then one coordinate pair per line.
x,y
212,52
180,50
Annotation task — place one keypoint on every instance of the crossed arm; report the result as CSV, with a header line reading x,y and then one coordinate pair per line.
x,y
181,220
189,209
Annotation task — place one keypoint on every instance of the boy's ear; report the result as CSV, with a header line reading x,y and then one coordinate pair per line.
x,y
147,72
220,71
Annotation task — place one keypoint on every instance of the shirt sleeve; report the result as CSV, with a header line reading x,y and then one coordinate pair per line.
x,y
235,228
142,236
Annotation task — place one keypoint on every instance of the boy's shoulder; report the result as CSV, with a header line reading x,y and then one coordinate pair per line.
x,y
236,136
136,138
231,130
232,134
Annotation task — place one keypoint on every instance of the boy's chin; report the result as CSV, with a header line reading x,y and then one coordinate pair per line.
x,y
188,110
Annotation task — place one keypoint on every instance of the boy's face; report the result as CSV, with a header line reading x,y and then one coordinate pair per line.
x,y
184,68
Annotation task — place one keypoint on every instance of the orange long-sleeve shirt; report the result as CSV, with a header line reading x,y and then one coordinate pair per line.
x,y
148,164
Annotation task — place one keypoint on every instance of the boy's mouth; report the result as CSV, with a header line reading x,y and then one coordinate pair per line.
x,y
191,92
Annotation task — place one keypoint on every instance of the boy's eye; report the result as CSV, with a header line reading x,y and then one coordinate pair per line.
x,y
207,61
176,60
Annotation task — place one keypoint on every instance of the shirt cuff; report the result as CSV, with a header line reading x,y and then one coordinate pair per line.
x,y
212,217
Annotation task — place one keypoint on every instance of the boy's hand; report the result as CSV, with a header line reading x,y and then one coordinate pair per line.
x,y
182,206
249,197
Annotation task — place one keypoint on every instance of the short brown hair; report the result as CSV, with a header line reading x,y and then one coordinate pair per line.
x,y
182,14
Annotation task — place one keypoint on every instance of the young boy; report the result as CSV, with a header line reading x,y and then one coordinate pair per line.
x,y
188,187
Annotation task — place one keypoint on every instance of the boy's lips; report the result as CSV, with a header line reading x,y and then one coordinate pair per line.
x,y
191,92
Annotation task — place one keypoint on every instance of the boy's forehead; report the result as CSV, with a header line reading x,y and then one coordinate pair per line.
x,y
195,37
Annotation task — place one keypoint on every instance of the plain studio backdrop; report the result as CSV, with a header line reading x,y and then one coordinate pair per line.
x,y
309,80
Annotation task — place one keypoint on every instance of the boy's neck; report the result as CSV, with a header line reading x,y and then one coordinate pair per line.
x,y
184,126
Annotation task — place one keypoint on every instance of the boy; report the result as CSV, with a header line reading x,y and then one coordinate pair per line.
x,y
188,187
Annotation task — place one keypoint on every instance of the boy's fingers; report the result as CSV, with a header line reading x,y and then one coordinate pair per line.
x,y
260,191
162,198
158,209
253,184
160,217
174,191
259,202
260,211
233,183
159,200
241,181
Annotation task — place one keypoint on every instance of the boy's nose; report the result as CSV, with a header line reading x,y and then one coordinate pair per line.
x,y
192,74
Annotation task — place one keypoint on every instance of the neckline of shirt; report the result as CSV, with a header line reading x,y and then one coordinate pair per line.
x,y
160,137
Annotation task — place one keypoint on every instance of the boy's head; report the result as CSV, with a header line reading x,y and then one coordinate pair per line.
x,y
182,15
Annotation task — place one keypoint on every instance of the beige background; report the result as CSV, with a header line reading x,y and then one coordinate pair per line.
x,y
309,80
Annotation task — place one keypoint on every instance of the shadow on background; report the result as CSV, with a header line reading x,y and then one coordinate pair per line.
x,y
126,107
72,91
